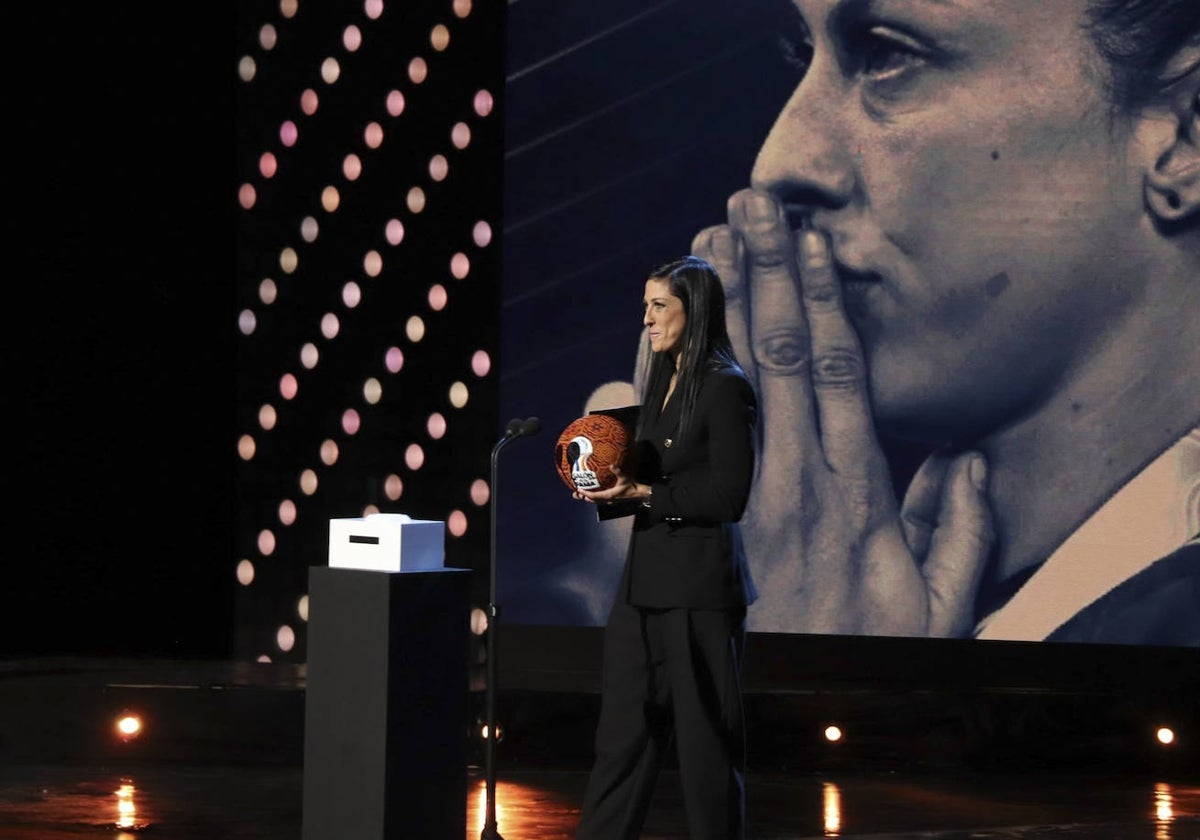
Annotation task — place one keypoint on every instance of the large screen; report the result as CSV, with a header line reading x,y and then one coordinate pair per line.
x,y
1013,228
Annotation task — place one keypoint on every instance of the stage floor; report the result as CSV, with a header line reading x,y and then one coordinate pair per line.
x,y
222,759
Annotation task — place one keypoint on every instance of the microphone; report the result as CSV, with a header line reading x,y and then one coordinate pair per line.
x,y
530,426
513,428
516,428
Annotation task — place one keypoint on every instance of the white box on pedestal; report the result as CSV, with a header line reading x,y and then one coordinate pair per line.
x,y
387,542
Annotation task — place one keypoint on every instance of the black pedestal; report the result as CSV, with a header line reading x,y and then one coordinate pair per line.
x,y
386,705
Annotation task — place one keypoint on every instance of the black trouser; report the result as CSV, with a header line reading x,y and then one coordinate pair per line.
x,y
669,672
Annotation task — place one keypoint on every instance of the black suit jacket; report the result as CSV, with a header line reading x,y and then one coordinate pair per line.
x,y
686,548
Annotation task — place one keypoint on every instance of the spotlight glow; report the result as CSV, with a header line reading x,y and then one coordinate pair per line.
x,y
128,726
833,733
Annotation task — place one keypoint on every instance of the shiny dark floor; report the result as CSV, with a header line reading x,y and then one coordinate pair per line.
x,y
221,757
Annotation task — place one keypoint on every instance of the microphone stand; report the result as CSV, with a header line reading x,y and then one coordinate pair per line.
x,y
515,429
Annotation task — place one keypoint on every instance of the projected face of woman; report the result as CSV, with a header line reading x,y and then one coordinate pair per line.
x,y
965,161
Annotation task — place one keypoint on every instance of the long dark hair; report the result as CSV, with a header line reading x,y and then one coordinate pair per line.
x,y
705,340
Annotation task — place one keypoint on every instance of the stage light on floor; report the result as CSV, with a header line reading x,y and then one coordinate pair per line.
x,y
833,733
128,726
831,807
1165,735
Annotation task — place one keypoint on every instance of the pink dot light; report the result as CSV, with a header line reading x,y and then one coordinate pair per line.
x,y
482,234
394,231
483,103
247,196
373,8
352,38
267,165
351,422
288,386
414,456
436,426
309,101
393,359
480,492
481,363
288,133
456,523
287,512
437,297
373,135
352,167
266,542
395,103
460,265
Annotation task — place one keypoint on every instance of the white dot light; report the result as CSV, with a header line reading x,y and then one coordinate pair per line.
x,y
330,325
246,322
458,395
246,447
329,453
267,416
460,135
289,260
330,70
393,487
309,355
439,167
372,263
415,328
245,572
308,229
268,291
372,390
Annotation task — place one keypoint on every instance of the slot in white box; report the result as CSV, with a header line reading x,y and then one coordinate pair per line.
x,y
387,542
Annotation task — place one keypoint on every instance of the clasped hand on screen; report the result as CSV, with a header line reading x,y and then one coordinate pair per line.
x,y
831,548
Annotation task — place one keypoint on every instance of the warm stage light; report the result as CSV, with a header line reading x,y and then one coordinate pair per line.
x,y
1165,735
833,733
128,726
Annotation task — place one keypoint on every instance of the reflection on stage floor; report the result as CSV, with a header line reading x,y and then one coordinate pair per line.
x,y
223,747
